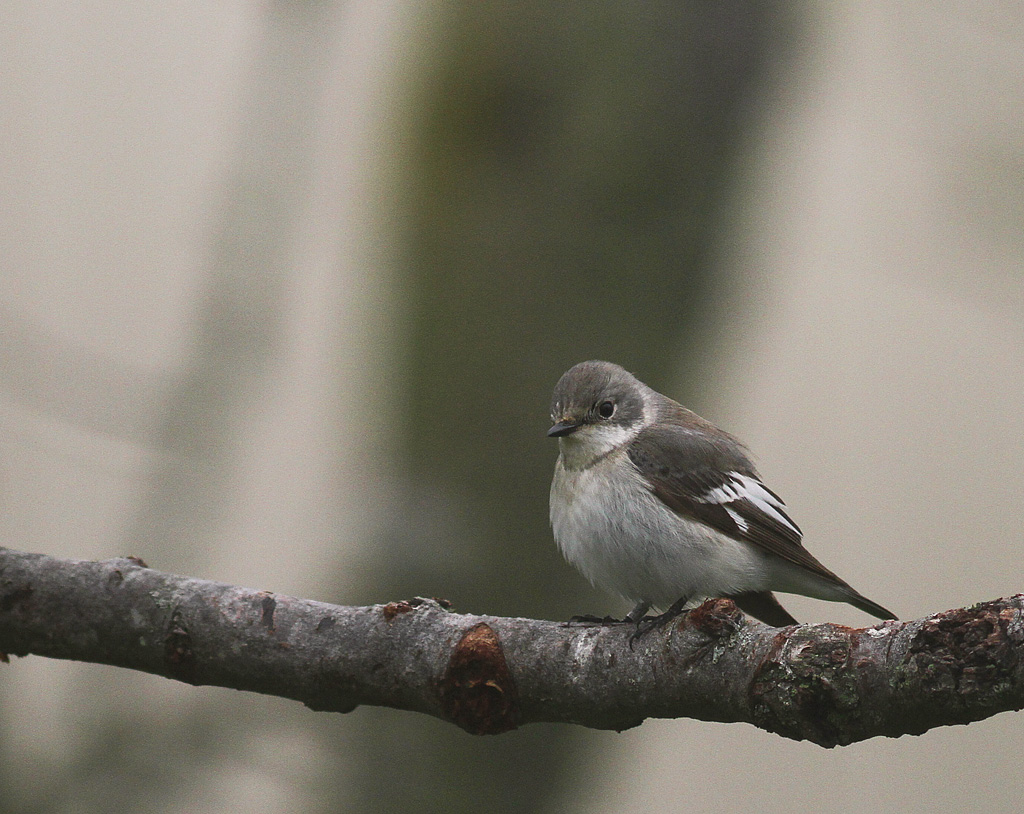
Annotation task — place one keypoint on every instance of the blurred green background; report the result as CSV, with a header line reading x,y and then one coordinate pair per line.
x,y
565,172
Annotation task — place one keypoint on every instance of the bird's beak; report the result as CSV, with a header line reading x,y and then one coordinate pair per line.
x,y
564,428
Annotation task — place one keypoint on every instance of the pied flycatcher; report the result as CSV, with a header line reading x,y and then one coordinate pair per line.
x,y
654,503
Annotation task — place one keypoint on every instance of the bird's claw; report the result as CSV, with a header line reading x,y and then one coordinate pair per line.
x,y
645,626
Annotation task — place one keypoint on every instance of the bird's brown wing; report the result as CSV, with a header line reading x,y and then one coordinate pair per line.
x,y
708,478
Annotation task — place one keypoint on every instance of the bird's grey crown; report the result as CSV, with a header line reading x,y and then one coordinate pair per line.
x,y
584,387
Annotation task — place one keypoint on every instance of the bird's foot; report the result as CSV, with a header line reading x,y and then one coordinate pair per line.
x,y
649,623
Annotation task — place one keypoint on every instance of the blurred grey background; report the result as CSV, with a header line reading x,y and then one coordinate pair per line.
x,y
284,288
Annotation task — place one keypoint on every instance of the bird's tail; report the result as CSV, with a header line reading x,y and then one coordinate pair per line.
x,y
764,606
866,605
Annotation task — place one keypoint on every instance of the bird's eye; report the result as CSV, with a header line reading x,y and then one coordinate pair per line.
x,y
606,409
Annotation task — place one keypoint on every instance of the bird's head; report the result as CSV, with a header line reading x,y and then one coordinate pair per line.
x,y
595,408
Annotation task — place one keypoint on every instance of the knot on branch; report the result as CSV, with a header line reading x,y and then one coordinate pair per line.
x,y
715,618
477,690
179,659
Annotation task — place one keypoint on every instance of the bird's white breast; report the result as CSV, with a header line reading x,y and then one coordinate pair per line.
x,y
609,525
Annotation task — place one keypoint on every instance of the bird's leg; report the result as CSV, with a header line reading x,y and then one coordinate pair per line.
x,y
638,612
645,626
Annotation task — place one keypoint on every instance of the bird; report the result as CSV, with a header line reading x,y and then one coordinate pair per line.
x,y
658,505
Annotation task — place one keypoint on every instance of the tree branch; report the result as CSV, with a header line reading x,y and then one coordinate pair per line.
x,y
825,683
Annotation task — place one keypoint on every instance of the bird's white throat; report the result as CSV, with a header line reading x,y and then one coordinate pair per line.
x,y
591,443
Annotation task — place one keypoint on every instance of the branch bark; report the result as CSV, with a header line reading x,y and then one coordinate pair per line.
x,y
829,684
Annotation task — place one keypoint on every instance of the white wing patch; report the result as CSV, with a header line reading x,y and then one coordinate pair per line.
x,y
737,518
739,488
